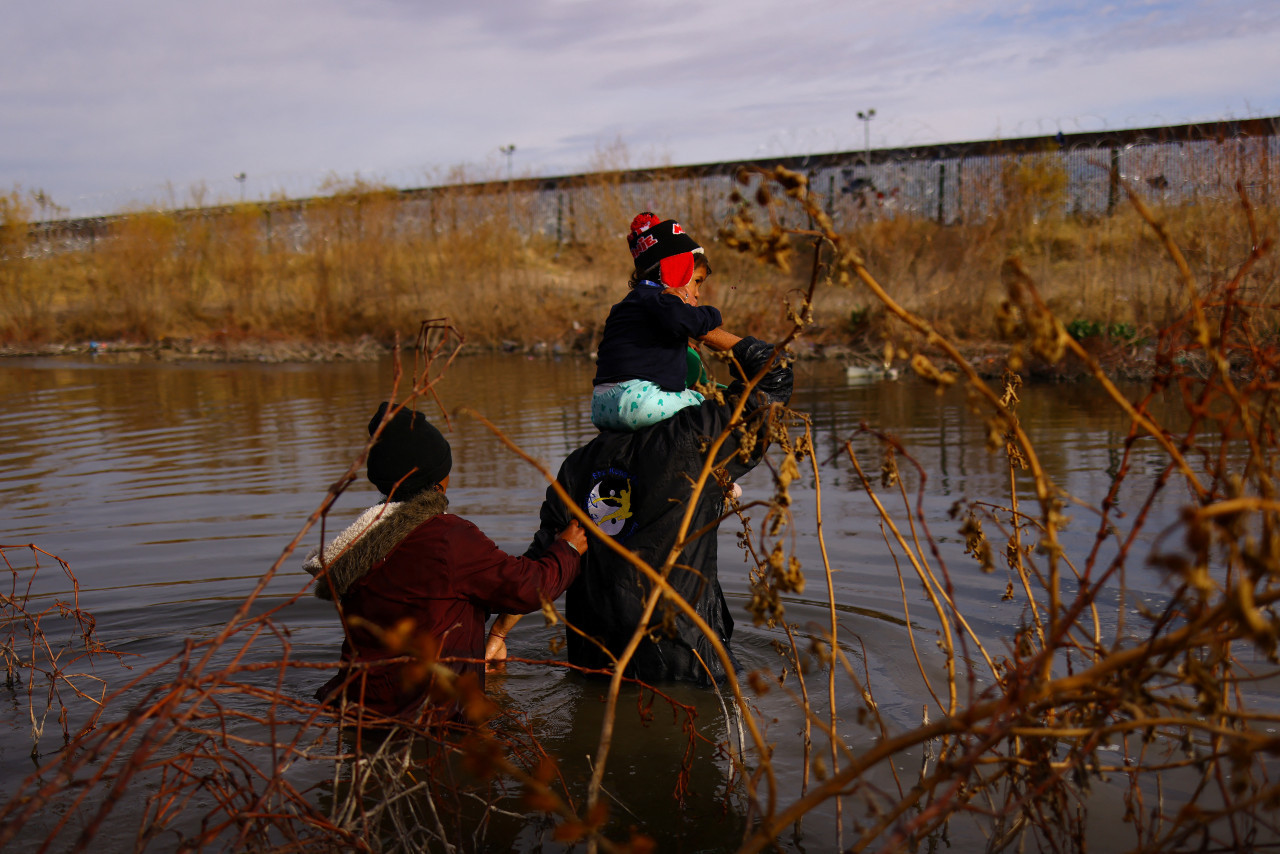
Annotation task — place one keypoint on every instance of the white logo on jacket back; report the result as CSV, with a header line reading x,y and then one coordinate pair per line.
x,y
609,503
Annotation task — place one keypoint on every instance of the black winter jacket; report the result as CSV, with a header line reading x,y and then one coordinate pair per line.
x,y
635,487
645,337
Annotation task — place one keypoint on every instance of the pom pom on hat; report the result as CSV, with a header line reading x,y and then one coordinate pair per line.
x,y
643,222
409,452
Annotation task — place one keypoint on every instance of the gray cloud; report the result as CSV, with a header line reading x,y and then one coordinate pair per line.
x,y
103,104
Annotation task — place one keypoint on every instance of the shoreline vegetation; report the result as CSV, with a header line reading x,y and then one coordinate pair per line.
x,y
349,274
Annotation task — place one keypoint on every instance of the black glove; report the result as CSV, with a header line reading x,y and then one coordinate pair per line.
x,y
752,354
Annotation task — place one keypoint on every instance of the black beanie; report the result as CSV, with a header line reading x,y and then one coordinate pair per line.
x,y
408,443
651,240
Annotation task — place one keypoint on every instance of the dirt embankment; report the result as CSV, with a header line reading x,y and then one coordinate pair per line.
x,y
988,358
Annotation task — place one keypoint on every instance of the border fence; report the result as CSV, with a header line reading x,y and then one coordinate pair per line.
x,y
949,183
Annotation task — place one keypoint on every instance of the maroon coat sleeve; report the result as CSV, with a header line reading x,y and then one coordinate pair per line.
x,y
506,583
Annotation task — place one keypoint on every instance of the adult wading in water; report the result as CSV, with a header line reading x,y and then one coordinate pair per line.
x,y
635,487
408,564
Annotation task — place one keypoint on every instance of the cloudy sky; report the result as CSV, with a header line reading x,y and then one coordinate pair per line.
x,y
105,104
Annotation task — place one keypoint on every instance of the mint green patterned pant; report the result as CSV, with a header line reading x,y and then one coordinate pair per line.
x,y
631,405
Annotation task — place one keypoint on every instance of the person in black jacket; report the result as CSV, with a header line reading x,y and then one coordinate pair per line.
x,y
635,486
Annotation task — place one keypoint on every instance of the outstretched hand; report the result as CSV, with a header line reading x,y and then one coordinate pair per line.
x,y
574,535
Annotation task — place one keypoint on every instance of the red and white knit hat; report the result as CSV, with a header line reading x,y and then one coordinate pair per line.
x,y
663,244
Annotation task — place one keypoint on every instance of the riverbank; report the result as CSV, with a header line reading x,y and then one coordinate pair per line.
x,y
1134,362
210,350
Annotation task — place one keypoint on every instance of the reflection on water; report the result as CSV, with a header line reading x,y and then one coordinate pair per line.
x,y
171,488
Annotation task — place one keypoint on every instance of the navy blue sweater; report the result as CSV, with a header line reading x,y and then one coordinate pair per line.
x,y
645,337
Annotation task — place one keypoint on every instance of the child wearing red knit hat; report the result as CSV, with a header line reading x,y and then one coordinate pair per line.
x,y
641,364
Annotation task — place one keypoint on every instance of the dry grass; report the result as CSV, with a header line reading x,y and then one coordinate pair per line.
x,y
1104,269
364,261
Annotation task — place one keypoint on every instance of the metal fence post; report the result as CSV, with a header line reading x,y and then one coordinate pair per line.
x,y
1113,190
942,186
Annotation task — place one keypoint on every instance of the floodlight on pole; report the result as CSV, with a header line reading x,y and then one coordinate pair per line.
x,y
509,151
865,118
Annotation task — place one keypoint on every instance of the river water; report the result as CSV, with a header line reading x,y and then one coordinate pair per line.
x,y
170,488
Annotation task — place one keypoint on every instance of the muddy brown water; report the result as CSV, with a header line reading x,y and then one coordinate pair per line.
x,y
169,489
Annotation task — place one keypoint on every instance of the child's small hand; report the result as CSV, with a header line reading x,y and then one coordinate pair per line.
x,y
683,295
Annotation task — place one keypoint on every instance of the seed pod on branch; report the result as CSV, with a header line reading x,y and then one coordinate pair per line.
x,y
796,184
764,607
788,471
889,468
976,542
929,372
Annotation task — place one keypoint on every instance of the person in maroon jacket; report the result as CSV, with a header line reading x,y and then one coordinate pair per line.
x,y
416,583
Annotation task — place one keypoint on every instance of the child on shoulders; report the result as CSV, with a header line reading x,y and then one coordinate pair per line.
x,y
641,363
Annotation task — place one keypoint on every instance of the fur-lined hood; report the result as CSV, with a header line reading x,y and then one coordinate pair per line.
x,y
368,540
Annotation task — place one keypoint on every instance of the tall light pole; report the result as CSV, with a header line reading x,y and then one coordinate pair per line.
x,y
240,178
865,118
509,151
